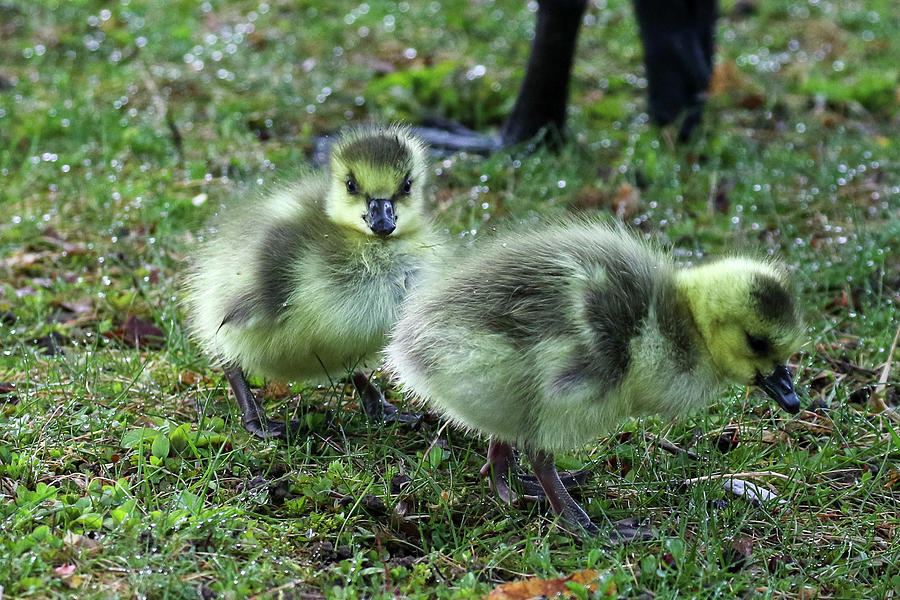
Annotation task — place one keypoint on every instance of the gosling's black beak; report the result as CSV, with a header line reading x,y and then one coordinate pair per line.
x,y
381,217
780,388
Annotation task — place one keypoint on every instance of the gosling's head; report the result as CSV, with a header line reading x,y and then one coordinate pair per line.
x,y
377,180
748,317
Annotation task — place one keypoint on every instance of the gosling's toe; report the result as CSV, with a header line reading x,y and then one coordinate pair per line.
x,y
570,479
397,416
379,410
630,530
374,405
574,520
269,429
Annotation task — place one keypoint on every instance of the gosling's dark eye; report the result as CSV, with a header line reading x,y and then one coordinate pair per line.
x,y
406,188
759,345
352,187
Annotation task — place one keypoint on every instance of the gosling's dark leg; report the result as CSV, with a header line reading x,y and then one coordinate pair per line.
x,y
502,469
253,415
677,36
375,406
626,530
570,513
500,466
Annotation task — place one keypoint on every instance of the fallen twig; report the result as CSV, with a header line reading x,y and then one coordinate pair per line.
x,y
163,114
670,447
750,474
880,392
437,437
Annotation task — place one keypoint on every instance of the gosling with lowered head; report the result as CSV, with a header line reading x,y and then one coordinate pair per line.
x,y
547,339
307,281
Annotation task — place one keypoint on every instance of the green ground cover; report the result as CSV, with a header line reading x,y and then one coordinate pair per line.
x,y
123,470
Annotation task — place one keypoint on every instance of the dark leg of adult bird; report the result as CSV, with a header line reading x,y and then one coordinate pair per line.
x,y
677,36
505,479
570,513
542,99
374,404
253,415
541,103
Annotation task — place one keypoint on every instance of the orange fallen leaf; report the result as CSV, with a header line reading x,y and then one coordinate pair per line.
x,y
549,588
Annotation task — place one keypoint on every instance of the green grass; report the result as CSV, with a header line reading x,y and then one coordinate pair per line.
x,y
128,464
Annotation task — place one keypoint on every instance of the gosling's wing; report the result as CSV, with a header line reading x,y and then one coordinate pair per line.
x,y
244,270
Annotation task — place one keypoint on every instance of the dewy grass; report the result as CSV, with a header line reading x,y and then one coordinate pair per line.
x,y
124,471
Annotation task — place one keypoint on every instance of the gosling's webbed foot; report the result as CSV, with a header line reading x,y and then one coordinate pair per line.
x,y
390,414
630,530
571,516
375,407
569,479
578,524
269,429
509,484
500,485
253,415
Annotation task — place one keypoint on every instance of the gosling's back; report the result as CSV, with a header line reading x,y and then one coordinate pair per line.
x,y
548,338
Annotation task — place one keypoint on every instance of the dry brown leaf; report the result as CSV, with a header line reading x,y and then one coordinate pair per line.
x,y
549,588
626,200
379,66
80,307
139,333
7,393
878,396
738,554
21,259
774,437
752,101
67,247
76,540
594,96
590,198
189,378
726,78
276,389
